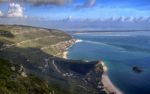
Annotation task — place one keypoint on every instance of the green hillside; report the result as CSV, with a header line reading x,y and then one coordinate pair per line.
x,y
15,81
16,39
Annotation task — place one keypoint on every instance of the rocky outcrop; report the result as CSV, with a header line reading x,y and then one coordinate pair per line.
x,y
81,75
137,69
20,70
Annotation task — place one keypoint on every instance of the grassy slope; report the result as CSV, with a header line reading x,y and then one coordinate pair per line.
x,y
28,37
32,37
11,82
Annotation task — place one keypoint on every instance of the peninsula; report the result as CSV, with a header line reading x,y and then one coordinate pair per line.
x,y
33,60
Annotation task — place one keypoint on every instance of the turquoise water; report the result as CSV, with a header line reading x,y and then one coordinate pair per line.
x,y
120,51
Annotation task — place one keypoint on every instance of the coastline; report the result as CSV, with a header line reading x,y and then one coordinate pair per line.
x,y
109,87
65,53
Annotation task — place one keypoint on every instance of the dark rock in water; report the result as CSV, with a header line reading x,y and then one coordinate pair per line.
x,y
137,69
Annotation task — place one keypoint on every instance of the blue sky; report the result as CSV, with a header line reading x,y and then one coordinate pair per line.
x,y
79,14
100,9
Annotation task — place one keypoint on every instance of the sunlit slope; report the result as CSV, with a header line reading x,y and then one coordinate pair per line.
x,y
15,40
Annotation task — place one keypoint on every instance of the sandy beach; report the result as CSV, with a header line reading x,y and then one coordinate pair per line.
x,y
108,85
65,54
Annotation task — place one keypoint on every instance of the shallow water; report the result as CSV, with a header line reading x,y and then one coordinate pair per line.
x,y
120,51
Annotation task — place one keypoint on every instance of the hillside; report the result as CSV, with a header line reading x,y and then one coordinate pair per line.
x,y
39,52
48,41
14,80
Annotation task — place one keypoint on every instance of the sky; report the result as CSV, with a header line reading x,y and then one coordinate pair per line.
x,y
86,13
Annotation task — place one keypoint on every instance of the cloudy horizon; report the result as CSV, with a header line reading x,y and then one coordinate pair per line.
x,y
77,14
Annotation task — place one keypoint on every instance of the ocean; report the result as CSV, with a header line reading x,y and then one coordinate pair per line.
x,y
121,51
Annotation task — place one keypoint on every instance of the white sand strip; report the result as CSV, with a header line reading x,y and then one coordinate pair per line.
x,y
65,54
108,85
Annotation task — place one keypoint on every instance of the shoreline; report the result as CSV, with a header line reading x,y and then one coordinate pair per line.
x,y
109,87
65,53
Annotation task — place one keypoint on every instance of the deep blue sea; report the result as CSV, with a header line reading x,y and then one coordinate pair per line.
x,y
120,51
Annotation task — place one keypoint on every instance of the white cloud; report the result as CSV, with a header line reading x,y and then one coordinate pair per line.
x,y
87,3
15,10
54,2
40,2
1,14
90,3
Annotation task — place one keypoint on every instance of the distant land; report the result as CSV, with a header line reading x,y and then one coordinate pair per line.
x,y
95,31
31,62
